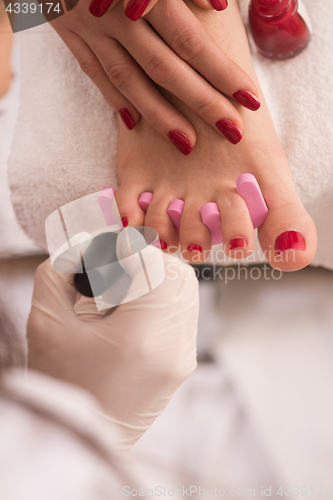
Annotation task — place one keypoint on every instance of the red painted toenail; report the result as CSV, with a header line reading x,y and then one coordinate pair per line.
x,y
247,99
124,220
218,4
127,118
194,247
181,142
229,130
163,244
290,240
237,243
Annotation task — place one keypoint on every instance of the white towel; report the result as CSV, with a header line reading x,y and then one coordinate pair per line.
x,y
66,136
13,241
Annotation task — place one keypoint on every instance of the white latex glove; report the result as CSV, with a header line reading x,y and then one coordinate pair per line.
x,y
133,360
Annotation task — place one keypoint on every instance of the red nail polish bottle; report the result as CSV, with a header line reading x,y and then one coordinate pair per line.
x,y
277,28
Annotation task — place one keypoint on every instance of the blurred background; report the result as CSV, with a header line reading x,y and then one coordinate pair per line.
x,y
258,411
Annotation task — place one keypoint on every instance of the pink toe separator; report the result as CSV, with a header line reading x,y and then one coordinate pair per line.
x,y
145,200
211,217
248,188
105,200
175,211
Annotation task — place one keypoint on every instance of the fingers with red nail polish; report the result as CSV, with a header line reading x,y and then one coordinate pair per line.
x,y
99,7
127,118
180,141
247,99
135,8
218,4
230,131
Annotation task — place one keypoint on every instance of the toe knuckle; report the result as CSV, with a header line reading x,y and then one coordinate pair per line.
x,y
229,204
157,221
120,74
190,45
162,70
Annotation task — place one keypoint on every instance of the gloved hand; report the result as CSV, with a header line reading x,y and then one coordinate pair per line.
x,y
133,360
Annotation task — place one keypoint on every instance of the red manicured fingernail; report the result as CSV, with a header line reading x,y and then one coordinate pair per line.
x,y
194,247
229,130
247,99
124,220
180,141
218,4
127,118
290,240
135,9
237,243
99,7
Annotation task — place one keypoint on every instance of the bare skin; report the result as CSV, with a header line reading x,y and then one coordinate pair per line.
x,y
147,162
6,40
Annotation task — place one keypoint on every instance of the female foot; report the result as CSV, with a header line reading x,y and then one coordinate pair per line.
x,y
147,162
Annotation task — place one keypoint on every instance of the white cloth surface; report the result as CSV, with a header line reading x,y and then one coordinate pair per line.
x,y
52,444
13,240
260,416
66,136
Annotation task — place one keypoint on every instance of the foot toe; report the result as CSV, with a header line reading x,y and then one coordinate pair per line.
x,y
237,228
196,241
127,202
157,218
288,236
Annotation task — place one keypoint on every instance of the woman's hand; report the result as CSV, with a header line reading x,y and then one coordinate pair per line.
x,y
133,360
169,48
134,9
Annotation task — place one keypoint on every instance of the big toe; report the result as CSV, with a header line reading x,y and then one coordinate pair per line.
x,y
288,236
